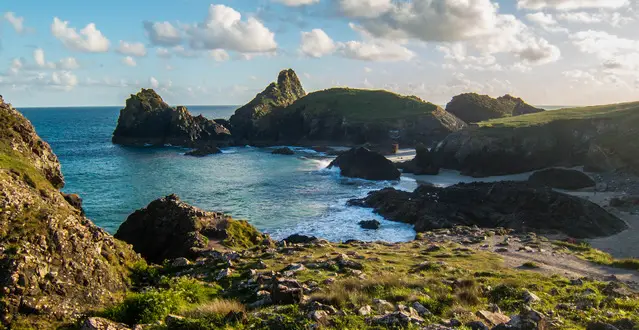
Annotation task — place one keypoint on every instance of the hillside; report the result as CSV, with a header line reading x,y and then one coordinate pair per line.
x,y
340,116
473,108
601,137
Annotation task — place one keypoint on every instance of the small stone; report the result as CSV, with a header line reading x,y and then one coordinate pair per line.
x,y
530,297
318,316
261,265
370,224
98,323
383,305
364,310
180,262
421,310
493,318
224,273
477,325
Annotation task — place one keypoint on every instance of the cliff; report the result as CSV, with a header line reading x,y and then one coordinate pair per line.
x,y
54,263
601,138
148,120
246,120
344,116
473,108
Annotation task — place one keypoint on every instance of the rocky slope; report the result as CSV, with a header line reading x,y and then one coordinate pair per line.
x,y
148,120
248,121
473,108
54,263
169,228
341,116
515,205
601,138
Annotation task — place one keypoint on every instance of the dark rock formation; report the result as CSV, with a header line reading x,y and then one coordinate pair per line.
x,y
561,178
204,151
516,205
369,224
283,151
247,120
341,116
424,162
54,262
365,164
169,228
300,239
75,201
148,120
473,108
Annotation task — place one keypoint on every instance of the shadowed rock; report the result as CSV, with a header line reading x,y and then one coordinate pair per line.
x,y
561,178
365,164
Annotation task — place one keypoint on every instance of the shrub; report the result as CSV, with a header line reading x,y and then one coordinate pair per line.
x,y
507,297
215,309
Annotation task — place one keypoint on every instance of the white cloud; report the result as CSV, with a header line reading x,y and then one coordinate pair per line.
x,y
224,28
364,8
615,19
581,76
64,80
316,43
368,70
185,53
163,33
129,61
90,39
375,50
154,83
571,4
219,55
296,3
546,21
16,22
163,52
602,43
68,63
132,49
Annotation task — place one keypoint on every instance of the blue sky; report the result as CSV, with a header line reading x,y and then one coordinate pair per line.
x,y
72,53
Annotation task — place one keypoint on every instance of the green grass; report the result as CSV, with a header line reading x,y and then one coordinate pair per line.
x,y
241,235
586,252
362,105
601,111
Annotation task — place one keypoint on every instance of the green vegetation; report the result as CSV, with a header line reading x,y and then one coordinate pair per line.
x,y
595,112
530,264
360,105
241,235
586,252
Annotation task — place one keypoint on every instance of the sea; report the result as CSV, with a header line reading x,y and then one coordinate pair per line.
x,y
280,195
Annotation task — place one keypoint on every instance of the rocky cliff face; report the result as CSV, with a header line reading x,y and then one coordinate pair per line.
x,y
169,228
339,115
148,120
54,263
606,143
284,92
473,108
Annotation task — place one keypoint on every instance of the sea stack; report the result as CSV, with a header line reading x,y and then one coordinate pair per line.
x,y
148,120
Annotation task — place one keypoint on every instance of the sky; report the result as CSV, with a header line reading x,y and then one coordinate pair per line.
x,y
197,52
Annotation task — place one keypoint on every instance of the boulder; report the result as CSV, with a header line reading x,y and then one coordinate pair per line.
x,y
300,239
473,108
283,151
55,262
75,201
169,228
204,151
423,164
515,205
365,164
98,323
561,178
148,120
369,224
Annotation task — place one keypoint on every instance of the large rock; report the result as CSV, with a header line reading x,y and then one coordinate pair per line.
x,y
54,262
473,108
561,178
517,205
424,162
365,164
169,228
246,121
148,120
340,116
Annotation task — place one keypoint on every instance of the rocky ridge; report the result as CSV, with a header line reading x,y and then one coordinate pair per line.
x,y
514,205
148,120
54,263
473,108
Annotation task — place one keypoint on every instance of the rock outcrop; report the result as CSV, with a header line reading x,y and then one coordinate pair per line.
x,y
424,162
365,164
148,120
562,178
516,205
249,119
473,108
601,138
169,228
283,151
204,151
342,116
54,262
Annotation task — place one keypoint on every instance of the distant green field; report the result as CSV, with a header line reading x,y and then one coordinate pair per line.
x,y
363,105
600,111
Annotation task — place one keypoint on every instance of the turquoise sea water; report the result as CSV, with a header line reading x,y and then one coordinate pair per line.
x,y
280,195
